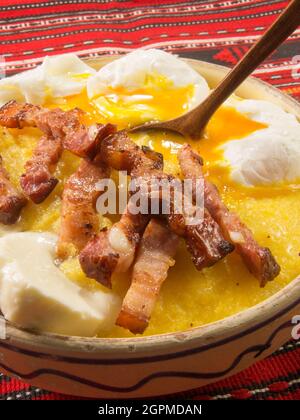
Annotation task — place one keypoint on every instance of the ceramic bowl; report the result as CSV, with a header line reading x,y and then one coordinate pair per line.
x,y
162,364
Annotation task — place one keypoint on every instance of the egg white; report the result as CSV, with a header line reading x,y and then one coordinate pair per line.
x,y
132,70
58,76
269,155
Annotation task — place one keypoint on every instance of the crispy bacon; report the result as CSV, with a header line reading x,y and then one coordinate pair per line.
x,y
37,181
79,218
202,234
259,260
14,115
63,130
84,141
155,257
206,243
204,240
75,136
121,153
157,158
11,200
113,250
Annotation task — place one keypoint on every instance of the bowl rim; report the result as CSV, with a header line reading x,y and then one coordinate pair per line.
x,y
235,325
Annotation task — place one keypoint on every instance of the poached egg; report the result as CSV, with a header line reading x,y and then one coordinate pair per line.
x,y
146,85
268,155
58,76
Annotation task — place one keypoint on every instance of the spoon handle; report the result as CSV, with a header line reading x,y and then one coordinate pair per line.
x,y
284,26
287,22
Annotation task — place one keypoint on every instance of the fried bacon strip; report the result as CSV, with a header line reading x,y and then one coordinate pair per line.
x,y
202,234
37,182
121,153
79,218
11,200
75,136
63,130
259,260
204,240
14,115
113,250
155,257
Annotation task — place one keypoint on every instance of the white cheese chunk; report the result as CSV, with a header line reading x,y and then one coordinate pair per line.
x,y
35,294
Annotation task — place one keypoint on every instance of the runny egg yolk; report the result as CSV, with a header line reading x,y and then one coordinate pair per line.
x,y
158,99
188,297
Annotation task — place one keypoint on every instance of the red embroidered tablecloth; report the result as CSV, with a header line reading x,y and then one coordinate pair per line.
x,y
215,31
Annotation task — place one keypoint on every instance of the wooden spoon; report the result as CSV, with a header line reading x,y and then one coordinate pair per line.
x,y
193,122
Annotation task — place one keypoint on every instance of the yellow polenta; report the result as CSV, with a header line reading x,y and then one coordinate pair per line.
x,y
188,298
